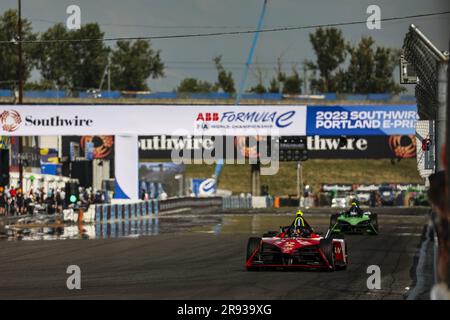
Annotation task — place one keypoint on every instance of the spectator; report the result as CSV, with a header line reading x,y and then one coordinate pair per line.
x,y
20,202
59,201
3,202
50,202
29,204
98,198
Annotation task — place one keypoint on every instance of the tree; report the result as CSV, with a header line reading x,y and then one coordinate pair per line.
x,y
259,89
56,61
371,70
330,49
287,84
293,83
74,64
9,52
277,81
133,63
192,85
225,79
274,86
91,57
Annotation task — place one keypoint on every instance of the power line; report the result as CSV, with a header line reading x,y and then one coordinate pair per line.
x,y
230,33
148,26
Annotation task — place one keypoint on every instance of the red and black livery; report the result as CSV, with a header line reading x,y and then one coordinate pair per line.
x,y
288,250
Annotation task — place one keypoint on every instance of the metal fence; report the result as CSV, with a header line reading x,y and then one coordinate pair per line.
x,y
431,67
61,94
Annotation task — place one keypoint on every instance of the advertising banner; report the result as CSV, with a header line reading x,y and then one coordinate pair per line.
x,y
101,147
203,187
362,147
319,147
161,147
361,120
216,120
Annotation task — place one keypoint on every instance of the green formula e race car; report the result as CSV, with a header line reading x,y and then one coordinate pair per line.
x,y
355,221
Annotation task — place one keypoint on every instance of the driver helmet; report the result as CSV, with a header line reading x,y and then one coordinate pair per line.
x,y
354,208
299,213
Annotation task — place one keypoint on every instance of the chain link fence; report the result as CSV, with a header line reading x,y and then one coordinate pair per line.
x,y
430,66
425,63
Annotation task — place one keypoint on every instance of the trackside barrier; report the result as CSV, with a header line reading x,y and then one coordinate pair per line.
x,y
127,211
127,228
248,202
133,211
193,203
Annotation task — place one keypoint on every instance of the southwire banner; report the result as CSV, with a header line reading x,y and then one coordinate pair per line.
x,y
319,147
362,147
361,120
151,120
230,147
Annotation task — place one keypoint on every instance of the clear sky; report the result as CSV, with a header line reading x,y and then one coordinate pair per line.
x,y
193,57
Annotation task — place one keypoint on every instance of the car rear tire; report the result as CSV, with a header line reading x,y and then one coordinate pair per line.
x,y
333,220
326,246
374,221
252,245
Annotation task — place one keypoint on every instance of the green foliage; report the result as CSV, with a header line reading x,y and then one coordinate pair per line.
x,y
259,89
76,65
225,80
9,59
192,85
370,69
133,63
330,49
274,86
292,83
80,65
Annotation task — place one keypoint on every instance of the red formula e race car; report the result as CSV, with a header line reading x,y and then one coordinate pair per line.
x,y
296,248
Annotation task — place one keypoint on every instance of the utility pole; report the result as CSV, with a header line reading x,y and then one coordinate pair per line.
x,y
20,76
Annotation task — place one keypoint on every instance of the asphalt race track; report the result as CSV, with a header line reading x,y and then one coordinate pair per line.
x,y
206,261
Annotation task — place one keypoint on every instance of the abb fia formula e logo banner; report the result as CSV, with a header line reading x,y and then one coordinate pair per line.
x,y
258,118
